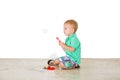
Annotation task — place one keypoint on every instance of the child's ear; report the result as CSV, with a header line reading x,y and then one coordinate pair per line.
x,y
73,30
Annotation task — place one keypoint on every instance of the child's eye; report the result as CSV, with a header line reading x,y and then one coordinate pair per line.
x,y
66,28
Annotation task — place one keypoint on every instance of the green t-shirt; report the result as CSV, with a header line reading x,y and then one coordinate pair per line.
x,y
74,42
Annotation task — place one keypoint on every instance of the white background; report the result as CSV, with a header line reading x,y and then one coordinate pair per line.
x,y
28,28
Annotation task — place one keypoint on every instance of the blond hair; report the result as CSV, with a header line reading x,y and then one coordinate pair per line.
x,y
73,23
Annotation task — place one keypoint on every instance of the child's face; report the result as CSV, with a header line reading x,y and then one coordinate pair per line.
x,y
68,29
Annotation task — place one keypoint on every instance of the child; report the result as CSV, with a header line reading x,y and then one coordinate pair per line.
x,y
72,48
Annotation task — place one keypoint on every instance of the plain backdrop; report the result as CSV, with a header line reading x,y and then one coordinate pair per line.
x,y
28,28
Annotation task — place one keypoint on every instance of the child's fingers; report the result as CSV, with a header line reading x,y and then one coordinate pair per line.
x,y
57,38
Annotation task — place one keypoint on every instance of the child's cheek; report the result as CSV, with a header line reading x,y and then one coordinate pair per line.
x,y
67,31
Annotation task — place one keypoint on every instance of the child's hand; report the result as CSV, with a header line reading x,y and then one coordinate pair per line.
x,y
58,39
61,44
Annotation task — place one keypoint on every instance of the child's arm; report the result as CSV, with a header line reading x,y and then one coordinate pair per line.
x,y
59,42
66,47
62,48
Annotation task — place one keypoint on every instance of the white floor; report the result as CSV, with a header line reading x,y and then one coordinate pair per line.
x,y
32,69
